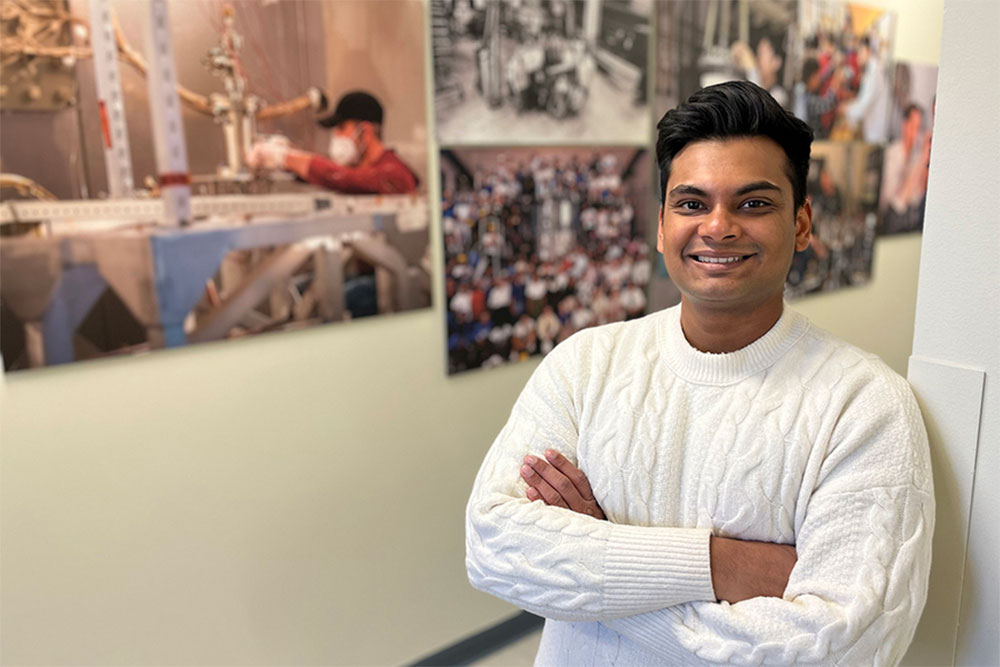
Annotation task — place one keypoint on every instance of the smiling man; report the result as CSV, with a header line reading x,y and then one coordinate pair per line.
x,y
720,481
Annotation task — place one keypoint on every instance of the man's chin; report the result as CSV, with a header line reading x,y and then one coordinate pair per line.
x,y
727,299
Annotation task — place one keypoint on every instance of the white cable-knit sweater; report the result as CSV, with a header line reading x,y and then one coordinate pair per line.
x,y
798,438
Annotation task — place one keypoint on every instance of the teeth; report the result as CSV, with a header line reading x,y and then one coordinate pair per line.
x,y
718,260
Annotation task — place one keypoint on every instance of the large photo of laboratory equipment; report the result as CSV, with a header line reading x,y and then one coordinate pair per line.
x,y
540,243
181,171
541,71
843,185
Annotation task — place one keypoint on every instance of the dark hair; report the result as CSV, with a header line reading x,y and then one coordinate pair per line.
x,y
810,67
910,108
733,110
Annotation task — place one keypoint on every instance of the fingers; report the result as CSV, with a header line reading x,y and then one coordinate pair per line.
x,y
574,474
542,489
559,482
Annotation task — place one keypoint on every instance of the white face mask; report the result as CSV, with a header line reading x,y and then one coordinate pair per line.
x,y
344,151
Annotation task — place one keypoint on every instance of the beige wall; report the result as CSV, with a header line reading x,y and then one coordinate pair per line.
x,y
287,499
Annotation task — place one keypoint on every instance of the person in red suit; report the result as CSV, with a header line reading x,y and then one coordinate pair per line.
x,y
358,162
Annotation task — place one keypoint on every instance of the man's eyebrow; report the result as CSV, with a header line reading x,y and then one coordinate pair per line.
x,y
685,189
756,185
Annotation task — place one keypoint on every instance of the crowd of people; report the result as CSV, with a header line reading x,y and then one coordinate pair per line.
x,y
536,251
844,92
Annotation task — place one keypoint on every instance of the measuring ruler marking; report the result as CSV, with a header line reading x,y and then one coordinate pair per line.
x,y
168,128
117,158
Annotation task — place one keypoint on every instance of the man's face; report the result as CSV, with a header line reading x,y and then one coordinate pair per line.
x,y
864,53
729,226
826,182
347,142
911,126
768,62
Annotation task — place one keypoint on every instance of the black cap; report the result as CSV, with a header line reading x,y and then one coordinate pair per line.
x,y
357,105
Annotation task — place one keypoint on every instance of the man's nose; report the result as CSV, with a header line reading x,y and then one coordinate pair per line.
x,y
719,225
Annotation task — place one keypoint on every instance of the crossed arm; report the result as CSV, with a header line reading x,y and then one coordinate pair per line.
x,y
741,569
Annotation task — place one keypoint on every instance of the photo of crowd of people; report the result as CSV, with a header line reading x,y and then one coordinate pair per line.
x,y
844,188
907,157
540,243
540,71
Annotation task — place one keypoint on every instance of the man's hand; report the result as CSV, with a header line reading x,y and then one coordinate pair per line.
x,y
267,154
556,481
742,569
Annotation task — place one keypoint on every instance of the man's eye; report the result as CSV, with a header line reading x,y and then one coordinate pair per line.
x,y
755,203
689,205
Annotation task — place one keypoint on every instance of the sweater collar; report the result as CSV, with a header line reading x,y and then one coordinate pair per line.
x,y
729,367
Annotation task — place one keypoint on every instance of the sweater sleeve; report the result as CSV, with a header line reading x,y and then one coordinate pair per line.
x,y
386,176
552,561
859,585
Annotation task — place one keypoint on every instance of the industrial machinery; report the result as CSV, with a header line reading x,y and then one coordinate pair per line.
x,y
553,76
183,267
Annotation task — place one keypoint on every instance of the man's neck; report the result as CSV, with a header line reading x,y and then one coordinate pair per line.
x,y
721,329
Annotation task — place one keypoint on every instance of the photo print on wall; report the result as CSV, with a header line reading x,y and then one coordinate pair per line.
x,y
540,243
829,63
843,90
907,157
541,72
263,250
843,186
704,43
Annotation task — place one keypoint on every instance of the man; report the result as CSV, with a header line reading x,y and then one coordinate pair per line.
x,y
719,481
870,109
761,66
816,96
904,180
358,164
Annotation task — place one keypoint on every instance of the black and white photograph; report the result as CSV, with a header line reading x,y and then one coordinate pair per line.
x,y
541,71
843,187
262,170
540,243
704,43
907,157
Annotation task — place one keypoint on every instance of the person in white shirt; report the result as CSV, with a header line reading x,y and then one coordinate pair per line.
x,y
461,302
904,176
870,109
633,301
721,481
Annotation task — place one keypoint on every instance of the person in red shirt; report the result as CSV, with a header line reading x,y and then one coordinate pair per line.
x,y
358,163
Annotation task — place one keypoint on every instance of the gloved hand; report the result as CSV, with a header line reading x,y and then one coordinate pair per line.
x,y
268,153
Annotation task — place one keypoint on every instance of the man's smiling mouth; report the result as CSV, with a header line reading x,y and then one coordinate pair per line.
x,y
709,259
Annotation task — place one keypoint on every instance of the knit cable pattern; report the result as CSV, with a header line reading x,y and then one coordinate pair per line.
x,y
798,439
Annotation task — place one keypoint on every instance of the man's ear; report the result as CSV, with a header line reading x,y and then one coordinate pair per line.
x,y
803,225
659,231
370,131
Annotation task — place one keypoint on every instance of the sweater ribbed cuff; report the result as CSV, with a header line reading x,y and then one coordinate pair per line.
x,y
651,568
